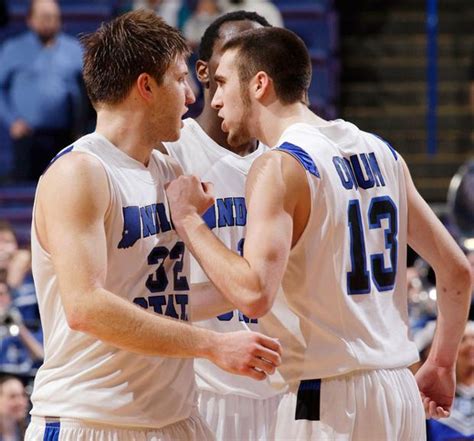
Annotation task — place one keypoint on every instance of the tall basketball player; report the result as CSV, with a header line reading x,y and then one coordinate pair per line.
x,y
236,408
112,276
330,212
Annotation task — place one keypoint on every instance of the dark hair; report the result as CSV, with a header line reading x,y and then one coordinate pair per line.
x,y
212,32
4,377
122,49
278,52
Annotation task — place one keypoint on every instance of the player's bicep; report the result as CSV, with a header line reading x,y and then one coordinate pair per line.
x,y
270,222
73,200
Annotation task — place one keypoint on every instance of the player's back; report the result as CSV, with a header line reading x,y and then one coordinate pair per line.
x,y
343,304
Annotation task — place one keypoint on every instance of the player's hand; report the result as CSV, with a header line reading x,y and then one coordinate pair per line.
x,y
247,353
188,195
437,387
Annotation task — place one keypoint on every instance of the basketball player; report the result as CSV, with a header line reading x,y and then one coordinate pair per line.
x,y
330,211
106,258
236,408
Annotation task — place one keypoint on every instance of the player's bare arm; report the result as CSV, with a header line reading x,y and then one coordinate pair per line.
x,y
73,233
249,282
207,302
429,238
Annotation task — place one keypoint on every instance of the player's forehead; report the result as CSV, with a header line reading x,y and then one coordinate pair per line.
x,y
178,66
229,30
226,64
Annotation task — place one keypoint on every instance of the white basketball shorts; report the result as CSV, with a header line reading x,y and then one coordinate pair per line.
x,y
234,417
375,405
193,428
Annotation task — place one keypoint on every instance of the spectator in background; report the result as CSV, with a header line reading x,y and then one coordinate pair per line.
x,y
460,424
15,270
40,90
205,13
169,10
20,350
13,408
265,8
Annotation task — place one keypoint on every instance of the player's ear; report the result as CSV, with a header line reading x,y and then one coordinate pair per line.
x,y
202,72
260,84
144,86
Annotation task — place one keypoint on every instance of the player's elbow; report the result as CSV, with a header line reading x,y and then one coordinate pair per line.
x,y
257,307
78,316
457,278
76,320
464,276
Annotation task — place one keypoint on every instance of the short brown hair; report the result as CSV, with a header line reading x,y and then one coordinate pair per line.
x,y
278,52
122,49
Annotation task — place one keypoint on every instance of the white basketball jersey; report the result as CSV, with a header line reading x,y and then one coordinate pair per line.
x,y
343,303
199,155
147,264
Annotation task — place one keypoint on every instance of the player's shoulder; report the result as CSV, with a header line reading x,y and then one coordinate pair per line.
x,y
75,165
279,162
382,144
303,136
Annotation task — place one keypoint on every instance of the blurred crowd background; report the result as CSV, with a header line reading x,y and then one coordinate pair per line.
x,y
402,69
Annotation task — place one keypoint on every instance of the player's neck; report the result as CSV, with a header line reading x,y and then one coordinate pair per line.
x,y
211,124
125,130
274,119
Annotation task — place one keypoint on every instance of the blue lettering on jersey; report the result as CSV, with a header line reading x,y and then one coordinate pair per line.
x,y
173,305
141,222
359,171
226,212
228,316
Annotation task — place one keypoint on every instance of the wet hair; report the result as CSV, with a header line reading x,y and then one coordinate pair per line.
x,y
212,32
284,58
124,48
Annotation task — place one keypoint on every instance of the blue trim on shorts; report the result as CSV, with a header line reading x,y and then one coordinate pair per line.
x,y
301,156
51,432
308,400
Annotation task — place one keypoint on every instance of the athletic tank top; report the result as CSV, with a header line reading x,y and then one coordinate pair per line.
x,y
147,264
343,302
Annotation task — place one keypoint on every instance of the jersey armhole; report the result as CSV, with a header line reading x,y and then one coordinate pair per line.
x,y
394,152
301,156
